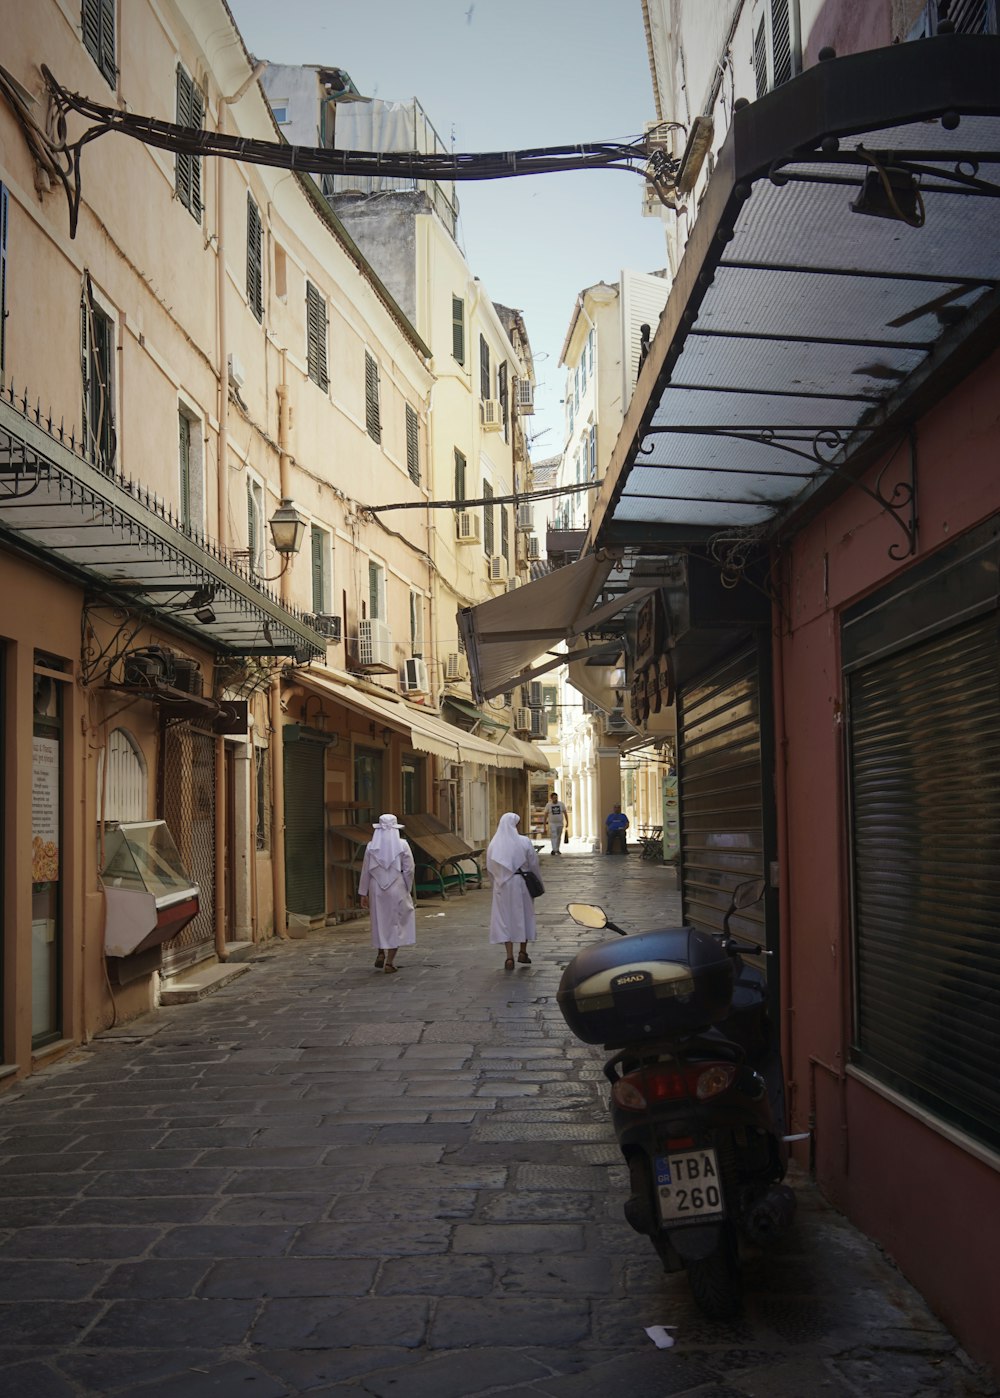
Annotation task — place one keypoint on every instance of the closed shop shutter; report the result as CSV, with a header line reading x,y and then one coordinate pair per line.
x,y
924,767
725,790
305,855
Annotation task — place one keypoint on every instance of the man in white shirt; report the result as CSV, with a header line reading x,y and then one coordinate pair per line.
x,y
555,821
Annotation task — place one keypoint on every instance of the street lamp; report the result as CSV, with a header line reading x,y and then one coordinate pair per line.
x,y
288,529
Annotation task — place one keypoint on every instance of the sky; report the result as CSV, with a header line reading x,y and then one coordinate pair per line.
x,y
505,75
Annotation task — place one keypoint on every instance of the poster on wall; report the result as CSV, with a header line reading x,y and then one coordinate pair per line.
x,y
45,810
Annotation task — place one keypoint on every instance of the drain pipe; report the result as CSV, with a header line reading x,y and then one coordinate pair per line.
x,y
276,748
222,491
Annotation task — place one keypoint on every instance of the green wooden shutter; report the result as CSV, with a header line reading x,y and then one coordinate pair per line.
x,y
502,395
191,113
504,533
488,520
316,327
97,22
184,455
255,260
484,368
251,525
458,329
412,445
459,475
373,419
317,540
374,592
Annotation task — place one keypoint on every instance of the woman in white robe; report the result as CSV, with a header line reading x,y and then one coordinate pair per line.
x,y
386,887
512,916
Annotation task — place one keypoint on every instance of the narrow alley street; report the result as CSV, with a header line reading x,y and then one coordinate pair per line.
x,y
325,1180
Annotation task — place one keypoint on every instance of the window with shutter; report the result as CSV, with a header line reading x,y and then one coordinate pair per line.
x,y
781,43
190,112
184,467
316,335
504,533
485,381
97,22
97,342
459,475
373,419
255,259
412,445
319,543
255,524
416,625
488,520
760,58
593,452
502,394
376,591
458,329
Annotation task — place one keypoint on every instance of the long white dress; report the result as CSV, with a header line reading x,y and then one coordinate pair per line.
x,y
387,887
512,916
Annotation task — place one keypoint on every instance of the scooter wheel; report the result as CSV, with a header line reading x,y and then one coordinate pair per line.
x,y
715,1281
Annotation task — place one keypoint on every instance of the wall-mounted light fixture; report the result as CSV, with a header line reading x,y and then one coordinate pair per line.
x,y
288,528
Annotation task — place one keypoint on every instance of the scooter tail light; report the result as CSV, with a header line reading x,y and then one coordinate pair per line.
x,y
716,1078
628,1095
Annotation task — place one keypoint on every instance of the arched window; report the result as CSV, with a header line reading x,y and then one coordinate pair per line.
x,y
124,796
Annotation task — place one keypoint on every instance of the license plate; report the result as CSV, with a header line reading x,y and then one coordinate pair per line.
x,y
688,1187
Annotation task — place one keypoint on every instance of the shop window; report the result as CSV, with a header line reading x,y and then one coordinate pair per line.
x,y
263,798
50,681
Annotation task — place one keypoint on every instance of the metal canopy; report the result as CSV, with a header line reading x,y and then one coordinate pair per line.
x,y
118,539
801,336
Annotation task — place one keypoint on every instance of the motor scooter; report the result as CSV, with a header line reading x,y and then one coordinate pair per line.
x,y
697,1090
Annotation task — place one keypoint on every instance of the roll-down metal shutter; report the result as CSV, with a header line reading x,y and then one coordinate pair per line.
x,y
924,766
305,855
725,789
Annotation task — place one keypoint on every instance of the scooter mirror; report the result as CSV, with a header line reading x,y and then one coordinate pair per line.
x,y
748,892
587,915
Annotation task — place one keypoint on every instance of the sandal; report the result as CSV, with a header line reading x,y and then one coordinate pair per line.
x,y
380,960
524,958
390,969
508,965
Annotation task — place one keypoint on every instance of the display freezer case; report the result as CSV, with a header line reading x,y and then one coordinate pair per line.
x,y
149,895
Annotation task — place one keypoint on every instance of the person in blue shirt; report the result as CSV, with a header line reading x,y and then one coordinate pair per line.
x,y
616,825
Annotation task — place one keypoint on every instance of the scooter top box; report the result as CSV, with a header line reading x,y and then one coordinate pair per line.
x,y
650,985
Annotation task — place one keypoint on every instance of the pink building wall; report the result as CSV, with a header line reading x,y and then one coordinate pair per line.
x,y
928,1200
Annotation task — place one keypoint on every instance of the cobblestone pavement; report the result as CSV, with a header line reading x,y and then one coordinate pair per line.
x,y
326,1180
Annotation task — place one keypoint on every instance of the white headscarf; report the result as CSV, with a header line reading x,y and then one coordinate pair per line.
x,y
386,844
507,846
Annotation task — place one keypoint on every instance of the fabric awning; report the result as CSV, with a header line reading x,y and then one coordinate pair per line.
x,y
808,323
469,711
506,635
534,759
427,732
113,536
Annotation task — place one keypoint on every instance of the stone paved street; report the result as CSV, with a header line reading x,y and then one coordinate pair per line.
x,y
326,1180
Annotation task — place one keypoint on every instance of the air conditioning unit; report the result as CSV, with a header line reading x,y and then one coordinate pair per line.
x,y
188,676
513,583
148,665
492,414
237,373
525,396
456,667
522,720
534,549
615,721
498,568
539,724
375,644
413,678
326,625
467,527
526,518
